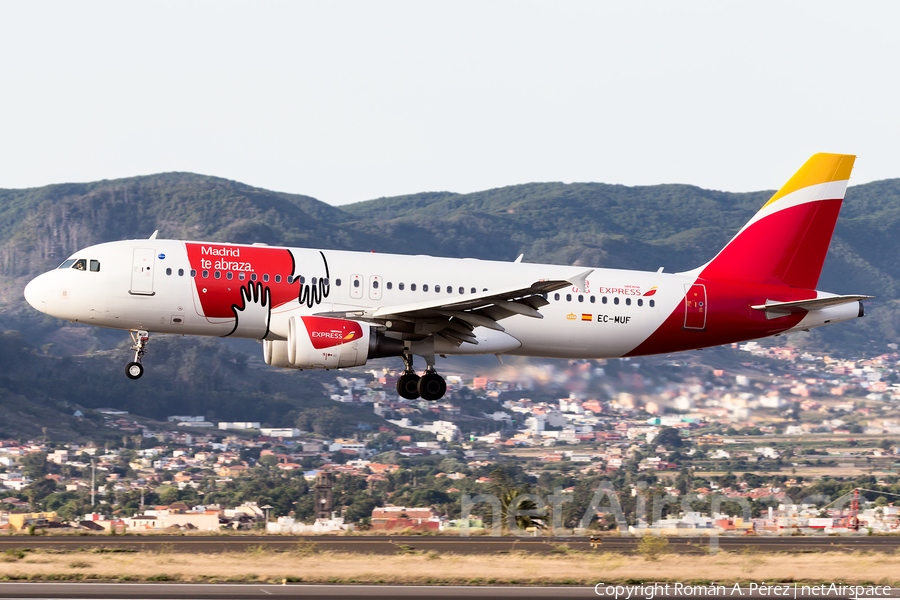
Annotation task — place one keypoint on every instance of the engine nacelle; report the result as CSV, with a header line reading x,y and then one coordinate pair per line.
x,y
326,343
275,353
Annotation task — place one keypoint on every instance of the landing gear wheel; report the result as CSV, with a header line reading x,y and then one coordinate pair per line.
x,y
134,370
408,386
432,386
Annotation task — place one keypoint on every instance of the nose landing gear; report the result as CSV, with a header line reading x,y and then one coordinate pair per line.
x,y
135,369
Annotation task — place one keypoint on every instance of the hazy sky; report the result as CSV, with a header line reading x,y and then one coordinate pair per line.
x,y
348,101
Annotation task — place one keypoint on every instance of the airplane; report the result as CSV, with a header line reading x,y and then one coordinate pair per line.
x,y
326,309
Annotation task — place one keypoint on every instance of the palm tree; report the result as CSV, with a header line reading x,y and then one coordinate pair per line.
x,y
510,500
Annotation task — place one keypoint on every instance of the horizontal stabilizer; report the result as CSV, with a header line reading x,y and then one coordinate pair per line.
x,y
779,309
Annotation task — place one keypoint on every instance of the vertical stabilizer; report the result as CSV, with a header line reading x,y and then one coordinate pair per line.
x,y
786,241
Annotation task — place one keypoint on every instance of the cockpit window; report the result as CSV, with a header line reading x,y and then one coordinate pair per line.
x,y
80,264
67,264
95,266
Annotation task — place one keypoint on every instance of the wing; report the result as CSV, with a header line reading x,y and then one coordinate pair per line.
x,y
454,318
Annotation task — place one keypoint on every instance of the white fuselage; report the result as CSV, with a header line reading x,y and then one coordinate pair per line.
x,y
607,319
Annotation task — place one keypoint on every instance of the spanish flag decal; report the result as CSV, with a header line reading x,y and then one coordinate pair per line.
x,y
650,292
585,317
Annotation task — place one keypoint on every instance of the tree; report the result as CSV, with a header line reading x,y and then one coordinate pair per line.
x,y
670,438
269,460
34,465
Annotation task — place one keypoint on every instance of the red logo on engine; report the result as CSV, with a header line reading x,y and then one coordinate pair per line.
x,y
325,332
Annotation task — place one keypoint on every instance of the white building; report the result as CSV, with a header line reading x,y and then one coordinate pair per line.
x,y
280,432
224,425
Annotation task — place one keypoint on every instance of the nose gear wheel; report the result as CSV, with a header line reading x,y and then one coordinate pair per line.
x,y
135,369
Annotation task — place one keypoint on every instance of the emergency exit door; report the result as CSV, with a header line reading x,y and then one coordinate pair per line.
x,y
695,306
142,272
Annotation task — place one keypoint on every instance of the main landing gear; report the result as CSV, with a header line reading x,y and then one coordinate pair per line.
x,y
429,386
135,369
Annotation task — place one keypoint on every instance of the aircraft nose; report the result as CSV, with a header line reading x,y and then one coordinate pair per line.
x,y
36,293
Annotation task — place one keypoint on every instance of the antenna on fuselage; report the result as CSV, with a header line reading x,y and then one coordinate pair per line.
x,y
153,235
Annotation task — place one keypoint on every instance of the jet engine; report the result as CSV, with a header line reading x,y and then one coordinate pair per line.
x,y
327,343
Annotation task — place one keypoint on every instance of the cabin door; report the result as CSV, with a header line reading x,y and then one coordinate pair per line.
x,y
695,307
141,272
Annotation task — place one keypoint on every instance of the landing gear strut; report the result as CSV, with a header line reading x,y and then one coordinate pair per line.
x,y
429,386
408,383
135,369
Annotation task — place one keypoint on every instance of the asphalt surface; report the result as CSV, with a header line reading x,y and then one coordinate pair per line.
x,y
143,591
388,545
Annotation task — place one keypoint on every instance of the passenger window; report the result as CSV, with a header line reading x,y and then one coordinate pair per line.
x,y
302,279
616,300
278,279
217,275
313,282
593,299
337,282
400,286
640,302
450,289
424,287
181,272
168,271
474,291
266,277
412,287
290,279
580,298
80,264
241,276
652,303
389,285
462,290
556,296
229,275
205,273
375,284
193,272
356,283
252,276
604,300
95,266
568,297
627,301
66,264
324,281
437,288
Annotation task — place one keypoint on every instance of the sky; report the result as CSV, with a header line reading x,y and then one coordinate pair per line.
x,y
348,101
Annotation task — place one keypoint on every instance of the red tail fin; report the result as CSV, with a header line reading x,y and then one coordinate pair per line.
x,y
786,241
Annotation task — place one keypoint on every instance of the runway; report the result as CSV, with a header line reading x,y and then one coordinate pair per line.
x,y
145,591
388,545
160,591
